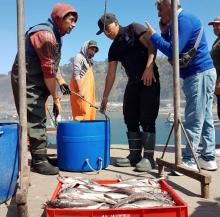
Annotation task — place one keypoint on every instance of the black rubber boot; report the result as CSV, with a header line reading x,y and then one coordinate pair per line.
x,y
41,165
135,147
147,163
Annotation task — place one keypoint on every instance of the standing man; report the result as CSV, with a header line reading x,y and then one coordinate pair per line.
x,y
83,82
215,54
43,51
198,76
136,53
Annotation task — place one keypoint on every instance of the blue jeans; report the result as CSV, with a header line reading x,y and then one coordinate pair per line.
x,y
199,92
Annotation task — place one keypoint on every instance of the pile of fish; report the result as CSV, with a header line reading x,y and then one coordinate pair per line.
x,y
81,193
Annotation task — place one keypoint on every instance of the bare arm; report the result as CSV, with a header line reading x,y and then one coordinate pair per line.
x,y
51,85
109,81
148,75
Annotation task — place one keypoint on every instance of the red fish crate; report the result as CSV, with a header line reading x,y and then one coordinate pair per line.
x,y
179,210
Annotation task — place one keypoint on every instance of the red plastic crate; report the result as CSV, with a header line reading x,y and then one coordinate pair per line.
x,y
179,210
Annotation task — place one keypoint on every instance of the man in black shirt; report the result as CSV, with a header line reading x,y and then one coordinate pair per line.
x,y
136,53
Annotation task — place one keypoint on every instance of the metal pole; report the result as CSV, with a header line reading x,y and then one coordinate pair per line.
x,y
21,195
176,84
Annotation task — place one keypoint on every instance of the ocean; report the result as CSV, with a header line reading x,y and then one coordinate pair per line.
x,y
118,129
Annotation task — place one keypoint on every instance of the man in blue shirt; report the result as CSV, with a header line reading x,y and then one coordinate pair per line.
x,y
199,77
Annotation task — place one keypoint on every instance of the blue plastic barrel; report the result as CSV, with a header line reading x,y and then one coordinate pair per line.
x,y
83,145
8,159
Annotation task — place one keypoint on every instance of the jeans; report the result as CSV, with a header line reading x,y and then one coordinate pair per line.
x,y
199,92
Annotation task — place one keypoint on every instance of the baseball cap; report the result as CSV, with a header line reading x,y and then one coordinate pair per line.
x,y
105,20
216,20
93,43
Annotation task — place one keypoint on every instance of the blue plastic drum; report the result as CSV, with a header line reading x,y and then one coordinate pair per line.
x,y
83,145
8,159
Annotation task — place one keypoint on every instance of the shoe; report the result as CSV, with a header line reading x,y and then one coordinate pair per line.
x,y
208,165
190,165
124,162
145,165
217,152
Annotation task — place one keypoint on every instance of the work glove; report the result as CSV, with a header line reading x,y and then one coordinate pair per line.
x,y
56,107
65,89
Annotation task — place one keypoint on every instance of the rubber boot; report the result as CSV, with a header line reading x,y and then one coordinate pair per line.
x,y
147,163
135,147
41,165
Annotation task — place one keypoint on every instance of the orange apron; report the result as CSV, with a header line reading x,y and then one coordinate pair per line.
x,y
81,110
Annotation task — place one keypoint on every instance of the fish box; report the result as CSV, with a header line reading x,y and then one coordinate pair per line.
x,y
179,210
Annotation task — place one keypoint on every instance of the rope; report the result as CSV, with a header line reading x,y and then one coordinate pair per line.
x,y
53,120
105,14
91,168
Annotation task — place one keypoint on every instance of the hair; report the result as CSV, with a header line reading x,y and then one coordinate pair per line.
x,y
167,2
70,14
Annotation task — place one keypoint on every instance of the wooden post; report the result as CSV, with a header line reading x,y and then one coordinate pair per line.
x,y
22,189
176,84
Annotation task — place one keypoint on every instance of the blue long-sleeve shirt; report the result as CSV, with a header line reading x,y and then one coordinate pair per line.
x,y
189,27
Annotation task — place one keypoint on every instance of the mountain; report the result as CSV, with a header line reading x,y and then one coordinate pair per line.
x,y
100,69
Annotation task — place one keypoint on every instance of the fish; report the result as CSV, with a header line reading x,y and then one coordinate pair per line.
x,y
144,203
140,196
57,203
96,197
115,196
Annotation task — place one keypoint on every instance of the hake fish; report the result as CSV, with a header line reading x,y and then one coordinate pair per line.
x,y
58,203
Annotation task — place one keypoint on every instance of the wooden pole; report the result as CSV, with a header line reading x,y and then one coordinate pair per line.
x,y
176,84
21,195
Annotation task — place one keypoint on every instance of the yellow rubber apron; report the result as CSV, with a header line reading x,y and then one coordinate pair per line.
x,y
81,110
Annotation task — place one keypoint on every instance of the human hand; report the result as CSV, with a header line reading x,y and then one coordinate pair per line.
x,y
56,107
148,77
65,89
150,30
104,104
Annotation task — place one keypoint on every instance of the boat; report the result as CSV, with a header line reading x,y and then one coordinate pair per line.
x,y
169,119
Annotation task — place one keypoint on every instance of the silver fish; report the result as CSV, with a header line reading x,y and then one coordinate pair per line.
x,y
70,203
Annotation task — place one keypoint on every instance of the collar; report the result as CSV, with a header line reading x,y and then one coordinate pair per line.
x,y
179,11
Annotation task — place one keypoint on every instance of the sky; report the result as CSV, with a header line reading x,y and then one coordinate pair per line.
x,y
126,11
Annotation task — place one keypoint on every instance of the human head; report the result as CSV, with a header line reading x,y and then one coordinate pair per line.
x,y
109,25
165,10
92,49
65,17
216,26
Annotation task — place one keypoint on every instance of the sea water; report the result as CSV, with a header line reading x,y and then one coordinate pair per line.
x,y
118,130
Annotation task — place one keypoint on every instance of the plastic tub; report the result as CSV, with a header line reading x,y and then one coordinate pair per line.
x,y
8,159
179,210
83,145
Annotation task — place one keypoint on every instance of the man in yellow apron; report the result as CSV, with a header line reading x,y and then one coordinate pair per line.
x,y
83,83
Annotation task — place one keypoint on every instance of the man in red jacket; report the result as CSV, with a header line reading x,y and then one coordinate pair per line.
x,y
43,52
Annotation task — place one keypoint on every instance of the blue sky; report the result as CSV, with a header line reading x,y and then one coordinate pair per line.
x,y
89,11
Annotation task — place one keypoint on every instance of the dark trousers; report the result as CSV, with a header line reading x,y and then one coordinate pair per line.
x,y
218,106
37,95
141,106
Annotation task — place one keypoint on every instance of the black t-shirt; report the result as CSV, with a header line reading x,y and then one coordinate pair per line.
x,y
127,49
